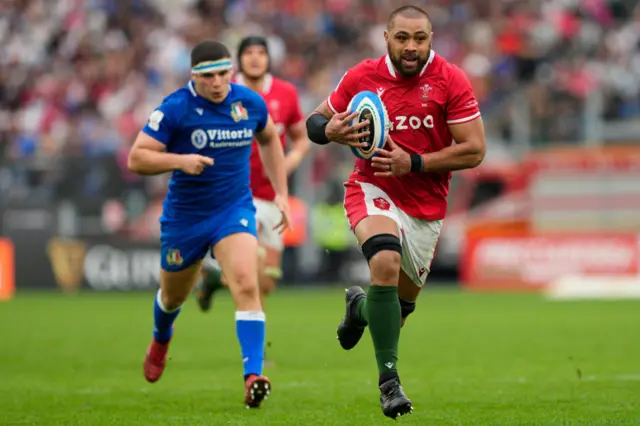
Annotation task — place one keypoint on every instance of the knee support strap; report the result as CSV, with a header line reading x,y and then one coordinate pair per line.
x,y
379,243
406,308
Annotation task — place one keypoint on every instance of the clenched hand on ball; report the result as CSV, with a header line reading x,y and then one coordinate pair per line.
x,y
340,130
393,161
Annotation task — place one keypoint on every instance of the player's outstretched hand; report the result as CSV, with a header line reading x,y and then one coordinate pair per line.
x,y
194,164
283,205
340,131
393,161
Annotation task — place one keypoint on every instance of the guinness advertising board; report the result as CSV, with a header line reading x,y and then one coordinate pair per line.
x,y
103,265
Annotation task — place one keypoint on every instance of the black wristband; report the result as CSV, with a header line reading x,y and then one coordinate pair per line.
x,y
417,163
316,124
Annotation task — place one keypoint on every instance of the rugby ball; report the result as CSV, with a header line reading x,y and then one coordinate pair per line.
x,y
370,107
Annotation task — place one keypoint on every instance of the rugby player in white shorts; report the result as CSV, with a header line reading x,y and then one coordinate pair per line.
x,y
396,201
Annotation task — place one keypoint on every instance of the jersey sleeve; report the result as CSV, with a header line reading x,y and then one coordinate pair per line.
x,y
163,122
462,105
296,115
344,91
263,113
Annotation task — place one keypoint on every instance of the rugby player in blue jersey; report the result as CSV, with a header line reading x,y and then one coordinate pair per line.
x,y
202,133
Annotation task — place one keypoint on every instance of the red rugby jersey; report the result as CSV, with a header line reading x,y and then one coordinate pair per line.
x,y
284,107
421,108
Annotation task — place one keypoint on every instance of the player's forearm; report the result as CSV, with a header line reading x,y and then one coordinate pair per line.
x,y
295,156
456,157
272,156
148,162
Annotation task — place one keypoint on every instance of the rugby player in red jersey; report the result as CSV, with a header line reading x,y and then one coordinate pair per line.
x,y
396,201
284,107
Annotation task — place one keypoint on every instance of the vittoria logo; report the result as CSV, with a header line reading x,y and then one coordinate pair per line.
x,y
221,138
199,138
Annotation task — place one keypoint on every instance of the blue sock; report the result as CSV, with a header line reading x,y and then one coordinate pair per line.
x,y
163,320
251,334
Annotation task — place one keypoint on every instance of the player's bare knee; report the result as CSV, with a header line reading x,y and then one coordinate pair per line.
x,y
244,284
383,252
245,296
172,300
385,268
176,286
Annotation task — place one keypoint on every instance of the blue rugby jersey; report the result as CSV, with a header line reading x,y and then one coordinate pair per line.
x,y
187,123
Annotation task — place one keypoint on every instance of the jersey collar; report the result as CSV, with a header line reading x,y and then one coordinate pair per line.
x,y
394,73
266,84
192,89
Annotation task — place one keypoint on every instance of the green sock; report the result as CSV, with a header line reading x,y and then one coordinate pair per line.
x,y
383,314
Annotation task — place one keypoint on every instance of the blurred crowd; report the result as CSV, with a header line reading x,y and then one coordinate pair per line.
x,y
78,78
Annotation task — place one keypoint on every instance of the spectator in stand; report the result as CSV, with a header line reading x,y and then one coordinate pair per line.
x,y
78,77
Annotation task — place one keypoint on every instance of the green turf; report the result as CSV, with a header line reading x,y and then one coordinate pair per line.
x,y
465,359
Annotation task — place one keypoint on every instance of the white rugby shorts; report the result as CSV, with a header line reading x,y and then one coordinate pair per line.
x,y
267,217
418,237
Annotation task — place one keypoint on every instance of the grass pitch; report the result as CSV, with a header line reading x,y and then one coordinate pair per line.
x,y
465,359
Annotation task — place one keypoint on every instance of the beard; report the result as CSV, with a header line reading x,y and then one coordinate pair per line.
x,y
402,69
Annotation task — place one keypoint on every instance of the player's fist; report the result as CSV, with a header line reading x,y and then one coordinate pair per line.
x,y
341,131
283,205
194,164
391,160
